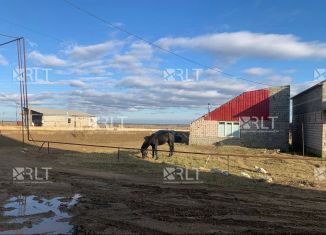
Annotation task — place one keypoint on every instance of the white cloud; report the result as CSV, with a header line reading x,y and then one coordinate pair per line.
x,y
100,59
95,67
271,78
77,83
258,71
133,60
141,50
183,93
221,84
48,60
280,80
9,97
90,52
249,44
139,93
69,82
3,60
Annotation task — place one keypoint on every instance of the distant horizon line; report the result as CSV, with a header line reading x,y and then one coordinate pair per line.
x,y
125,123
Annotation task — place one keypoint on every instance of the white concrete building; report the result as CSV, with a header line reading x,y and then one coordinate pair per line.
x,y
46,117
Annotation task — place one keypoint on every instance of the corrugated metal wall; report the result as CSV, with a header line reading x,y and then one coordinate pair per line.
x,y
251,103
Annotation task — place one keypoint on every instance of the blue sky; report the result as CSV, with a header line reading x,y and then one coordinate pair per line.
x,y
101,70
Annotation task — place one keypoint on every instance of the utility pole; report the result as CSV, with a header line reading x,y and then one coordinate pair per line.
x,y
209,110
16,113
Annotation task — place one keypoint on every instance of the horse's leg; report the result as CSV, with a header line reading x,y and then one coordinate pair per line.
x,y
171,149
170,146
156,144
153,150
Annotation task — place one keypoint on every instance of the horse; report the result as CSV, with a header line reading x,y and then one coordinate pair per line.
x,y
158,138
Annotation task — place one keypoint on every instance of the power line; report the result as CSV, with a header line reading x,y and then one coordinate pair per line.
x,y
8,36
158,46
13,40
32,30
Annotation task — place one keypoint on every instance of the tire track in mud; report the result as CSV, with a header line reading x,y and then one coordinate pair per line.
x,y
243,210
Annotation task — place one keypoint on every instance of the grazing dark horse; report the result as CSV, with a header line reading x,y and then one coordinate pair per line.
x,y
158,138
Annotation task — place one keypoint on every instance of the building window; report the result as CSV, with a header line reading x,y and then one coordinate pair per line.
x,y
228,129
69,120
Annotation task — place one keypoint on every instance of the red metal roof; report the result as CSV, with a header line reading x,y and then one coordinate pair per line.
x,y
250,103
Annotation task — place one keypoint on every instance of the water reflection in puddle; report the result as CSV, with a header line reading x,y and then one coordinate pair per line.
x,y
34,215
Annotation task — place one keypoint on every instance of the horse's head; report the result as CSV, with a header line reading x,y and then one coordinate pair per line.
x,y
143,153
144,147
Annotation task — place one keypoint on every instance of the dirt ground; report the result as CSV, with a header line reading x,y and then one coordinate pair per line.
x,y
129,196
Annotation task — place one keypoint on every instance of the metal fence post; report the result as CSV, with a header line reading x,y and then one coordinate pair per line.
x,y
48,147
118,154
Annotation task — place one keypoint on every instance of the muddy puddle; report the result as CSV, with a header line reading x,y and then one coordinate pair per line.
x,y
37,215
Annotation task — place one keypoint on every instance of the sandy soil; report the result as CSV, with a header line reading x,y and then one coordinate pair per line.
x,y
129,197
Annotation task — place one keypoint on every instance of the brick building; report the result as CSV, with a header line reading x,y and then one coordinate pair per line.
x,y
257,118
309,118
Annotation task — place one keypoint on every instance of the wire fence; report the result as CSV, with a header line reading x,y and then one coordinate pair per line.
x,y
254,166
48,142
